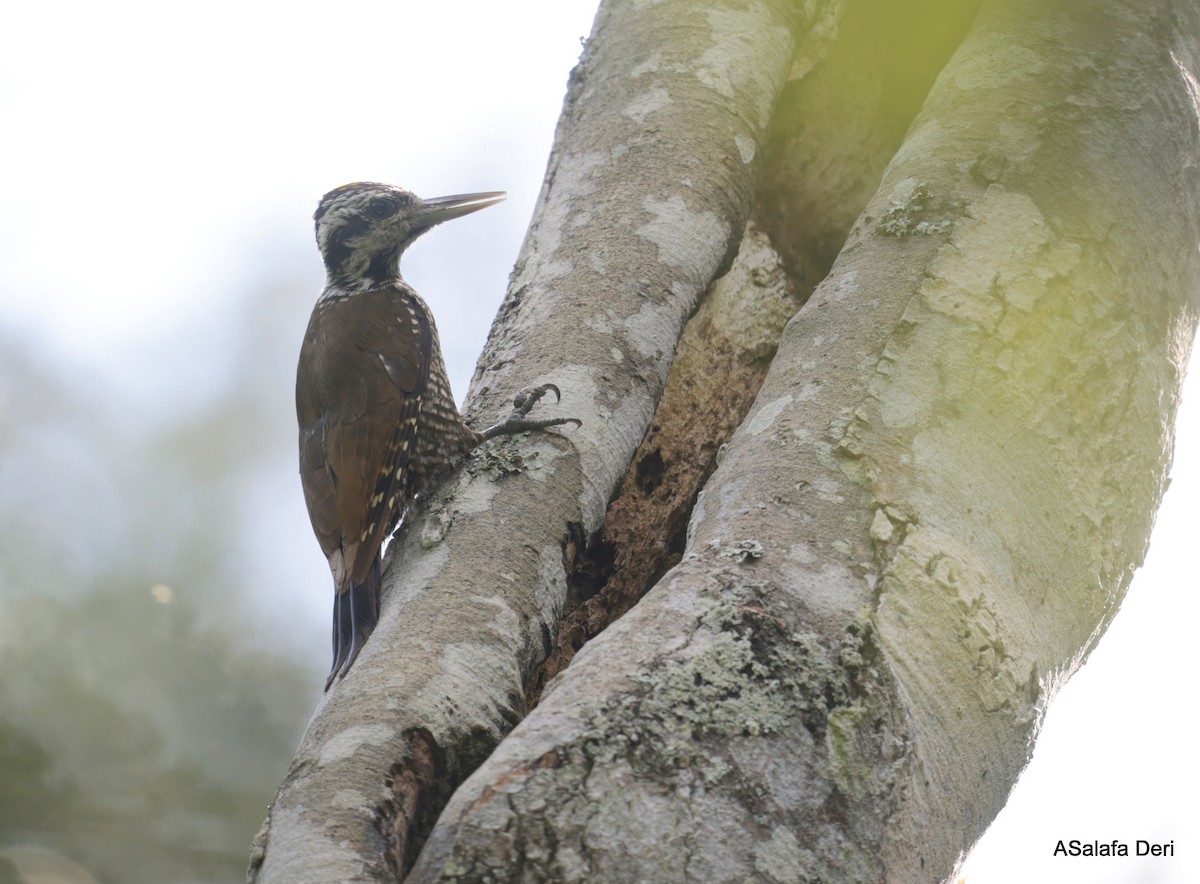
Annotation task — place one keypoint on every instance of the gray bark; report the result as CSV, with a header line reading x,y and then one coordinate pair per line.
x,y
855,84
645,199
930,515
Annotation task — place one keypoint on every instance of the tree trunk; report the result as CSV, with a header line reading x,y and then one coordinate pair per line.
x,y
644,203
928,517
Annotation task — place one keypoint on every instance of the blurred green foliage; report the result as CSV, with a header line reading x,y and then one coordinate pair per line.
x,y
148,705
134,742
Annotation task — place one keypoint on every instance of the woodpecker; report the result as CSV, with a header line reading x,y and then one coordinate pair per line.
x,y
378,424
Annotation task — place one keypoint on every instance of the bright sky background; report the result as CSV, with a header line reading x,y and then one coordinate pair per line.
x,y
152,150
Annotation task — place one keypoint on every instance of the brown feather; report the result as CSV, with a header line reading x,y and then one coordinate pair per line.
x,y
363,374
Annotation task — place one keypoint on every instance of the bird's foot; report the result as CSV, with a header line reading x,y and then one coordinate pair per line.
x,y
523,403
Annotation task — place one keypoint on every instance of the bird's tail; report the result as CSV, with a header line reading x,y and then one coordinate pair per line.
x,y
355,613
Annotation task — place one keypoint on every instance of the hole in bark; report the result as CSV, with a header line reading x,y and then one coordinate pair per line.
x,y
588,566
649,471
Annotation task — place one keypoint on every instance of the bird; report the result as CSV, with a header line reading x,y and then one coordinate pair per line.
x,y
378,425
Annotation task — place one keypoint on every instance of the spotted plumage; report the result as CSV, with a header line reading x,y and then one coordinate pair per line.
x,y
378,423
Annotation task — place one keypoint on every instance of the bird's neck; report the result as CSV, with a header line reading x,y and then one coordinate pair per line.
x,y
361,271
337,289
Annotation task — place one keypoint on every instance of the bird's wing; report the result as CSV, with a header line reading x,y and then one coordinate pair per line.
x,y
367,361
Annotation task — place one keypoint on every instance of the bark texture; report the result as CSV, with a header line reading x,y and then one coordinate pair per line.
x,y
929,516
855,84
645,199
720,362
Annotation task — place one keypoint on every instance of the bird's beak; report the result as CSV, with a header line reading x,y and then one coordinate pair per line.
x,y
443,208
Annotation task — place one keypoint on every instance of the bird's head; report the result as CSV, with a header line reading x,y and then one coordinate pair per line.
x,y
364,228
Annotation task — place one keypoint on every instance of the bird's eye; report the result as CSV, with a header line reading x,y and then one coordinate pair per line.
x,y
381,207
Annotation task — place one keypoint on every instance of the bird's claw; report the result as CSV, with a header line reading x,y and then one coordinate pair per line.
x,y
523,403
